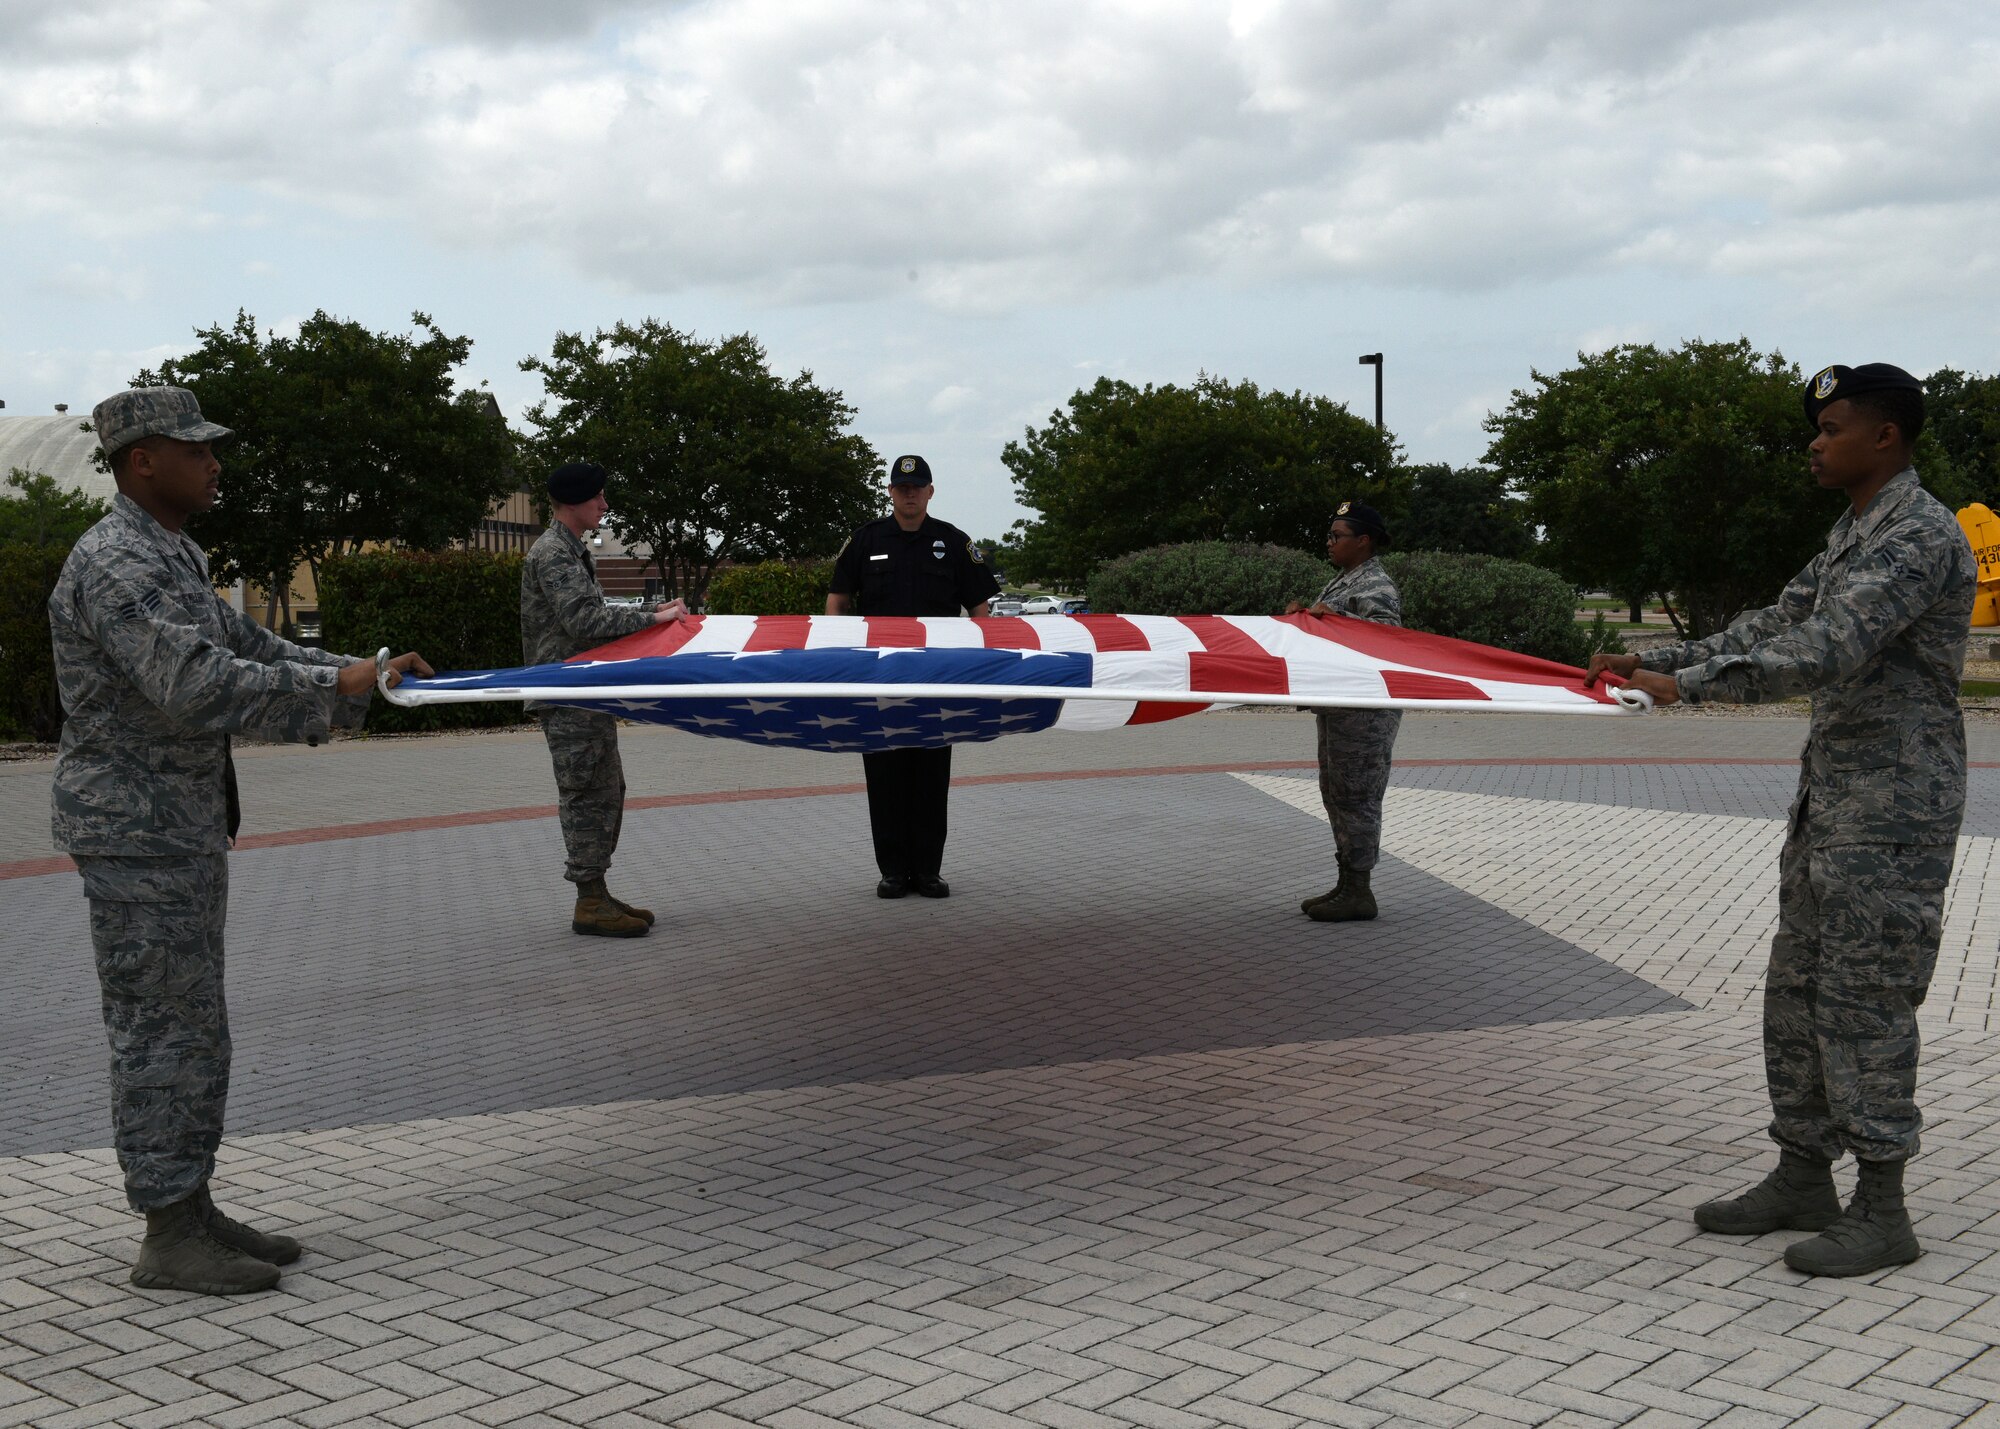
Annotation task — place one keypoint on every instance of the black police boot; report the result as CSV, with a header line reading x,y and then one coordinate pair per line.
x,y
1797,1196
930,885
1872,1233
180,1252
1353,904
892,888
277,1249
1339,887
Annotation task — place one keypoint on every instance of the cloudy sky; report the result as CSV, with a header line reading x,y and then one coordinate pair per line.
x,y
958,213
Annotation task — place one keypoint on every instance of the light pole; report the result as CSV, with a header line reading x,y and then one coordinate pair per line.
x,y
1374,360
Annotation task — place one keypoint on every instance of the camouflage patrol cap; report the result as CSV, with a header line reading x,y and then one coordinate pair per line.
x,y
152,412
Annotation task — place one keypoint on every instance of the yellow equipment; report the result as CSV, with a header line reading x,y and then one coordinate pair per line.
x,y
1982,529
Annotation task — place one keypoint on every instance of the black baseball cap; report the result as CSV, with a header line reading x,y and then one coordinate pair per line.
x,y
909,471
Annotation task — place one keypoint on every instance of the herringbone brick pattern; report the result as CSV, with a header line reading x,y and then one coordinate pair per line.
x,y
1480,1217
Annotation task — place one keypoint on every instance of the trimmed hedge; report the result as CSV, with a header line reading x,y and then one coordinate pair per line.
x,y
1469,597
771,588
1495,602
1206,578
461,610
29,708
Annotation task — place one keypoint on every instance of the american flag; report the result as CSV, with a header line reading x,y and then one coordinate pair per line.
x,y
851,683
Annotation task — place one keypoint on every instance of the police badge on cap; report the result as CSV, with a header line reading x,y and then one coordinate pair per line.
x,y
909,471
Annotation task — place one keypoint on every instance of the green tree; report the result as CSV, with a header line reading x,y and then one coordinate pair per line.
x,y
1959,454
715,457
44,514
1126,468
1464,509
344,437
1678,472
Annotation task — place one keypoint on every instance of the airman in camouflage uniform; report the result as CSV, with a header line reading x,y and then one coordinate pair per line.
x,y
156,672
1356,747
563,612
1874,629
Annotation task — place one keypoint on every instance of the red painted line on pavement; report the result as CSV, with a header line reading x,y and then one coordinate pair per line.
x,y
287,838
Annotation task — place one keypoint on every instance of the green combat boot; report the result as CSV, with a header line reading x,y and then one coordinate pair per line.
x,y
180,1252
644,915
1872,1233
1797,1196
1352,902
1334,892
599,915
277,1249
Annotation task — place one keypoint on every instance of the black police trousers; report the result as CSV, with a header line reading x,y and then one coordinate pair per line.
x,y
907,791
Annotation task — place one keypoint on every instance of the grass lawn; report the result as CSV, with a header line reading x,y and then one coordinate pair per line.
x,y
1979,689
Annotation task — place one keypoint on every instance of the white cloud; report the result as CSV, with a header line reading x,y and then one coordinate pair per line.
x,y
948,401
1016,153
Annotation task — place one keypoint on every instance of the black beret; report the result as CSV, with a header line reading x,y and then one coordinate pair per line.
x,y
909,471
575,483
1836,384
1364,518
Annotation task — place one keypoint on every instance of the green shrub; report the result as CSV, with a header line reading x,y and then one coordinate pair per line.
x,y
1206,578
1493,601
461,610
771,588
29,708
1602,638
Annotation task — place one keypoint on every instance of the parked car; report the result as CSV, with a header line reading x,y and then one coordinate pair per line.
x,y
1003,605
1075,607
1042,605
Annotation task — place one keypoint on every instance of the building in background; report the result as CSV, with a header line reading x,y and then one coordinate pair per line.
x,y
56,447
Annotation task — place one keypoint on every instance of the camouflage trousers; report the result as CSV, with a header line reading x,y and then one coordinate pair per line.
x,y
1355,755
1857,940
156,924
590,783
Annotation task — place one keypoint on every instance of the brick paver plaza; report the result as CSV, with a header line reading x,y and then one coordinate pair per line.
x,y
1112,1137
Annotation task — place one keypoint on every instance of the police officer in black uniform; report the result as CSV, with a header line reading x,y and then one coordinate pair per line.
x,y
909,563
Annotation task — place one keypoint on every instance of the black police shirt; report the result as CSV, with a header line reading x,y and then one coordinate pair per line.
x,y
933,570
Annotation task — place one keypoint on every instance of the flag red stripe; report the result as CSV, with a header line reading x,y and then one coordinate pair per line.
x,y
895,632
1008,632
1113,632
1409,685
1219,637
1153,711
778,632
653,640
1257,674
1439,652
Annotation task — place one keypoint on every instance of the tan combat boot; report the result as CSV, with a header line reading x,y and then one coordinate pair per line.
x,y
180,1252
644,915
599,915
